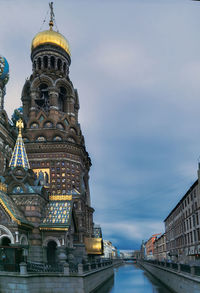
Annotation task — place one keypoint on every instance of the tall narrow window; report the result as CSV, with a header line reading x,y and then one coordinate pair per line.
x,y
59,64
64,67
62,96
43,100
39,63
45,62
52,60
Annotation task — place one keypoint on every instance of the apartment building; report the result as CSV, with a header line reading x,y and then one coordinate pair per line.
x,y
160,248
182,227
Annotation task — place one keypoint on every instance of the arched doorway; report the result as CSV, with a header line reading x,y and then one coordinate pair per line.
x,y
5,241
51,252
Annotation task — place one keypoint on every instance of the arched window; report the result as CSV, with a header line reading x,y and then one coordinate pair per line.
x,y
63,91
62,95
70,139
43,88
52,61
45,62
57,138
59,64
64,67
17,189
48,124
43,100
73,130
40,139
39,63
60,126
34,125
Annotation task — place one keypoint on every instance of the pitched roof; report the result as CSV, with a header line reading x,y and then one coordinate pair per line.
x,y
58,215
9,206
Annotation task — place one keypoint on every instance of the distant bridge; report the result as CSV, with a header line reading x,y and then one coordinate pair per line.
x,y
130,259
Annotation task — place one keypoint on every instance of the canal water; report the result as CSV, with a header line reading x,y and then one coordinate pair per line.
x,y
130,278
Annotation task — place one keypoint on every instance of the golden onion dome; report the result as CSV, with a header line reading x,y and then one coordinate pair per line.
x,y
50,37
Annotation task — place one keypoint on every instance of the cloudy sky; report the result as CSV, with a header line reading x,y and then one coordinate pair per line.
x,y
136,65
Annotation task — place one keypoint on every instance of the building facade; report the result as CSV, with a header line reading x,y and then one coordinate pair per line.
x,y
182,227
108,249
45,207
149,246
160,248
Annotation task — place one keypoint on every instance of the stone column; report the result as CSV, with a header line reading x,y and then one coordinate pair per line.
x,y
80,269
42,63
62,257
23,268
192,270
34,95
70,106
65,104
53,97
66,269
16,236
49,62
56,63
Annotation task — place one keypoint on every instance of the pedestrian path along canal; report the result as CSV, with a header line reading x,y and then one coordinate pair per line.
x,y
130,278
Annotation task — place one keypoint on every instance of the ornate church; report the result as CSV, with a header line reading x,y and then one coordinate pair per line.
x,y
45,208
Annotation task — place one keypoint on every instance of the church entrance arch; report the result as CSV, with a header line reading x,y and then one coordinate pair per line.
x,y
51,252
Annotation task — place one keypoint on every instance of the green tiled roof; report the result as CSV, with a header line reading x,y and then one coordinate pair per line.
x,y
9,206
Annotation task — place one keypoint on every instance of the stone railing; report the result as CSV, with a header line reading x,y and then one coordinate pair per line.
x,y
180,268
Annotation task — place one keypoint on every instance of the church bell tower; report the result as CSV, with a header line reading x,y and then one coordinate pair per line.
x,y
52,134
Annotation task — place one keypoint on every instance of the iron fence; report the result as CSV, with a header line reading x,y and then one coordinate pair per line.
x,y
86,267
174,266
9,267
185,268
73,268
35,267
44,267
197,270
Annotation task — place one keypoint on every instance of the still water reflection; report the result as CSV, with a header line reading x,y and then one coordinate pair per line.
x,y
129,278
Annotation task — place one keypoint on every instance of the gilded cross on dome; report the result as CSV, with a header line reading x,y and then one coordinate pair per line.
x,y
51,15
20,125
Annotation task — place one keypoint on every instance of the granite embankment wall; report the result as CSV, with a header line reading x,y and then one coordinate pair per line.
x,y
54,282
180,282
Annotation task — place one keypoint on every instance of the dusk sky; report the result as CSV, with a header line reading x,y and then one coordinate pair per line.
x,y
136,65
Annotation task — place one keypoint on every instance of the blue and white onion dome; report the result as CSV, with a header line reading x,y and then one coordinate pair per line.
x,y
4,70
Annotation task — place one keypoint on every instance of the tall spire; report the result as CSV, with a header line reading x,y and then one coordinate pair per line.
x,y
51,16
19,156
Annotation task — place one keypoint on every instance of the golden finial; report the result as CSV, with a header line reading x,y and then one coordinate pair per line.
x,y
51,16
20,125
